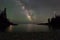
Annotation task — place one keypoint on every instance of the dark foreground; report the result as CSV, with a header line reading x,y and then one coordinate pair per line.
x,y
29,36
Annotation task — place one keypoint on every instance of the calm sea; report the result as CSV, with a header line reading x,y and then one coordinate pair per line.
x,y
28,28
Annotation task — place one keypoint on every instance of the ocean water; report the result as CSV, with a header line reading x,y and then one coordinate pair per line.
x,y
29,28
29,32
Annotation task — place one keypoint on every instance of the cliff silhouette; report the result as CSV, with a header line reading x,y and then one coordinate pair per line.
x,y
54,23
4,22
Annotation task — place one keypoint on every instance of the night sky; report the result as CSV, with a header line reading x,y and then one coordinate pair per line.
x,y
41,9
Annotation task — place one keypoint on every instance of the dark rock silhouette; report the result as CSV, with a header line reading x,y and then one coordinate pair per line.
x,y
54,23
4,22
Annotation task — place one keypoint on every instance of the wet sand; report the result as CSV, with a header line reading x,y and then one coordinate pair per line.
x,y
29,35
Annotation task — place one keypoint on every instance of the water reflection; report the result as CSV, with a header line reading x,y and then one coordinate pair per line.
x,y
10,28
28,28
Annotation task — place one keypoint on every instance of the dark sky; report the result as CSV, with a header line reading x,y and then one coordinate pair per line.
x,y
41,9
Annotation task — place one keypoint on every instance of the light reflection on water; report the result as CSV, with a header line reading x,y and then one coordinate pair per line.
x,y
28,28
10,28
